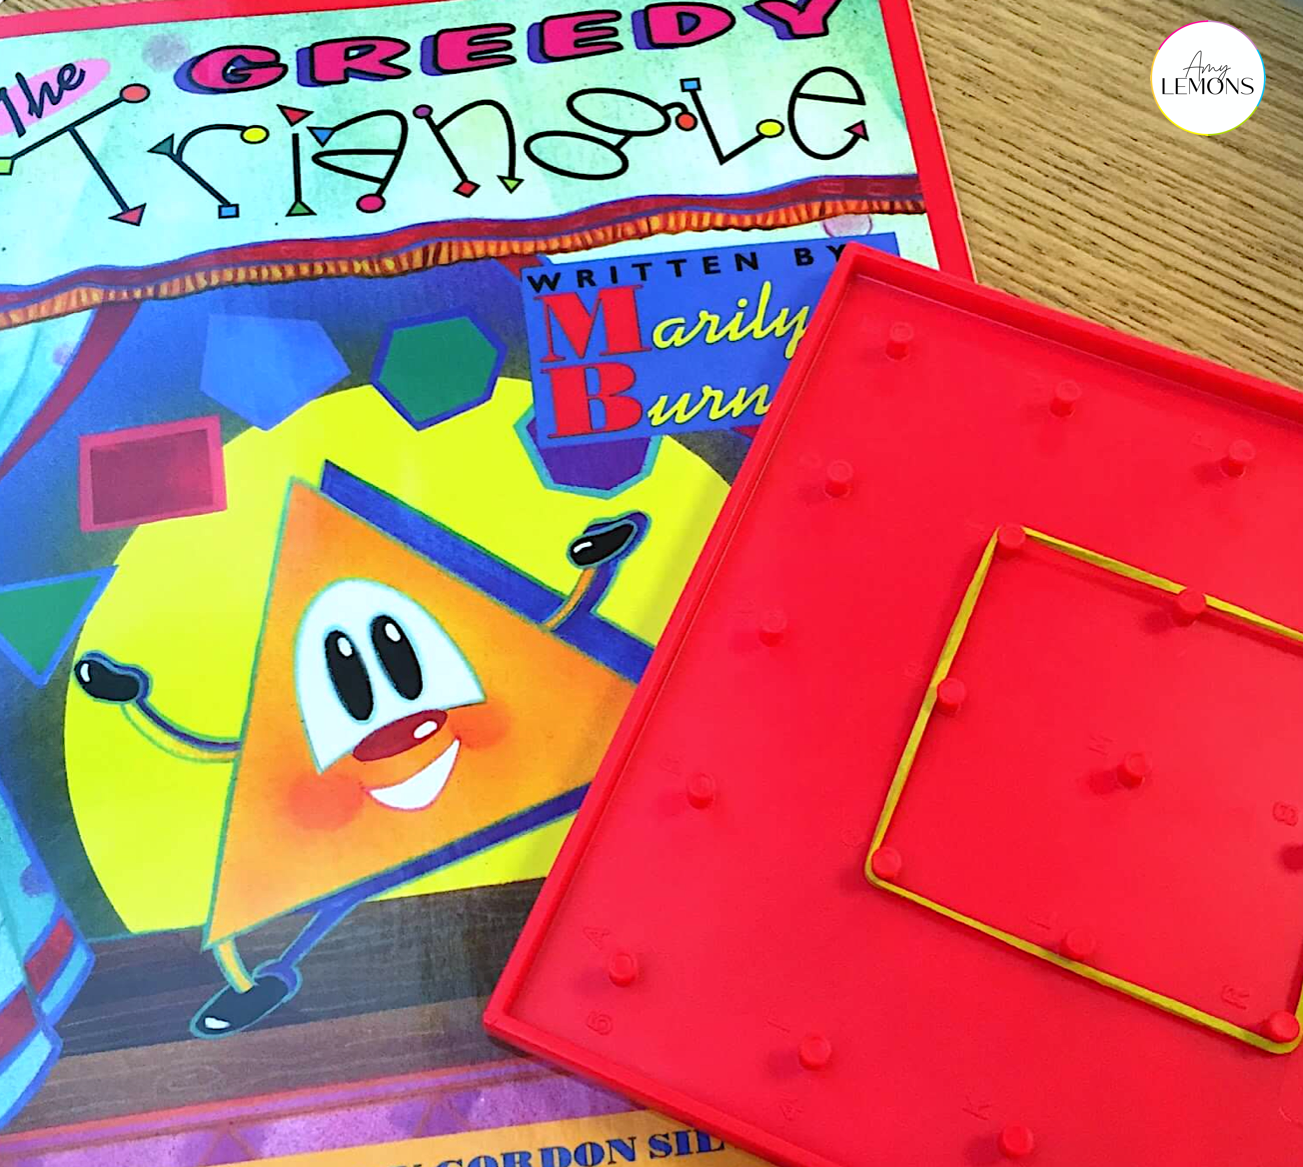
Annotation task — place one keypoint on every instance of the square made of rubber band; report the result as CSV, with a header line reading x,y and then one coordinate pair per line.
x,y
1105,773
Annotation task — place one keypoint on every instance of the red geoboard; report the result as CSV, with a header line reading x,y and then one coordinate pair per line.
x,y
957,817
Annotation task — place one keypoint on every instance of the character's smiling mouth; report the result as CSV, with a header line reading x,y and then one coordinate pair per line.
x,y
423,787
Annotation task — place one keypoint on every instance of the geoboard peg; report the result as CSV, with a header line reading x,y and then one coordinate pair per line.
x,y
1066,396
899,337
1281,1027
1078,944
950,695
773,627
1010,539
840,475
700,789
622,968
886,863
1016,1141
1239,457
815,1051
1134,769
1188,605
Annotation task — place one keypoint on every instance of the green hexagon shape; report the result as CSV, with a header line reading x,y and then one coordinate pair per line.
x,y
436,367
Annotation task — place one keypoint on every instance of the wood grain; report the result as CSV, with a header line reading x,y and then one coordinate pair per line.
x,y
1077,192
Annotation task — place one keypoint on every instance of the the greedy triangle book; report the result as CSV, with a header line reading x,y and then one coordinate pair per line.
x,y
370,377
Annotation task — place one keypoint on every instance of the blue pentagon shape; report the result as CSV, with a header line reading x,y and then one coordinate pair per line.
x,y
264,368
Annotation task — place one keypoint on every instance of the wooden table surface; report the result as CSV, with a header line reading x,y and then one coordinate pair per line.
x,y
1077,192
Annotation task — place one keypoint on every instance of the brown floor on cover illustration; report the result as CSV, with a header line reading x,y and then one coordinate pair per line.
x,y
396,988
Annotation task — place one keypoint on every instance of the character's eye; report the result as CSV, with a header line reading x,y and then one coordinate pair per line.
x,y
397,655
348,674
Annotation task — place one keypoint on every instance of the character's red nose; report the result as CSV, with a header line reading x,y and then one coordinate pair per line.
x,y
400,735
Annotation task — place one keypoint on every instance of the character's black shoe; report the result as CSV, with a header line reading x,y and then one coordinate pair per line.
x,y
106,680
608,539
232,1011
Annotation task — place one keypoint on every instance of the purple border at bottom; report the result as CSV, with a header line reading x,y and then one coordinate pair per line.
x,y
487,1097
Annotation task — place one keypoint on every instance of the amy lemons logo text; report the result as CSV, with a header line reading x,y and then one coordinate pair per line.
x,y
1208,77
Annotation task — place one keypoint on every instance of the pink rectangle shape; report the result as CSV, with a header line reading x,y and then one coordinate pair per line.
x,y
151,472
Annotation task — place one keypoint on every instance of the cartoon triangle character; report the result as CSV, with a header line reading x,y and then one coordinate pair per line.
x,y
400,718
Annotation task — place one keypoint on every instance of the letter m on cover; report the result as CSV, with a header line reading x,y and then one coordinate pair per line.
x,y
566,314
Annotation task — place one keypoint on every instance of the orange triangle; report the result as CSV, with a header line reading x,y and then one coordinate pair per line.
x,y
295,833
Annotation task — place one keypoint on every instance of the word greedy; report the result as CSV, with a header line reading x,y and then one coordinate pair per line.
x,y
238,68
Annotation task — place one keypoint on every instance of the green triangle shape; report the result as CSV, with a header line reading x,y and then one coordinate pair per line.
x,y
300,208
510,182
38,620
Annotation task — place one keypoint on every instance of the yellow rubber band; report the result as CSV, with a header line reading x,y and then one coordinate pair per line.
x,y
948,651
906,763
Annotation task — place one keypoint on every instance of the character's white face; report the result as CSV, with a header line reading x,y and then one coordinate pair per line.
x,y
374,675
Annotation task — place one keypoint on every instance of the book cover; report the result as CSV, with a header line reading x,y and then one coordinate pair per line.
x,y
370,377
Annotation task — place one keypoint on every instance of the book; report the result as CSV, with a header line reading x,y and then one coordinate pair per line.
x,y
370,377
